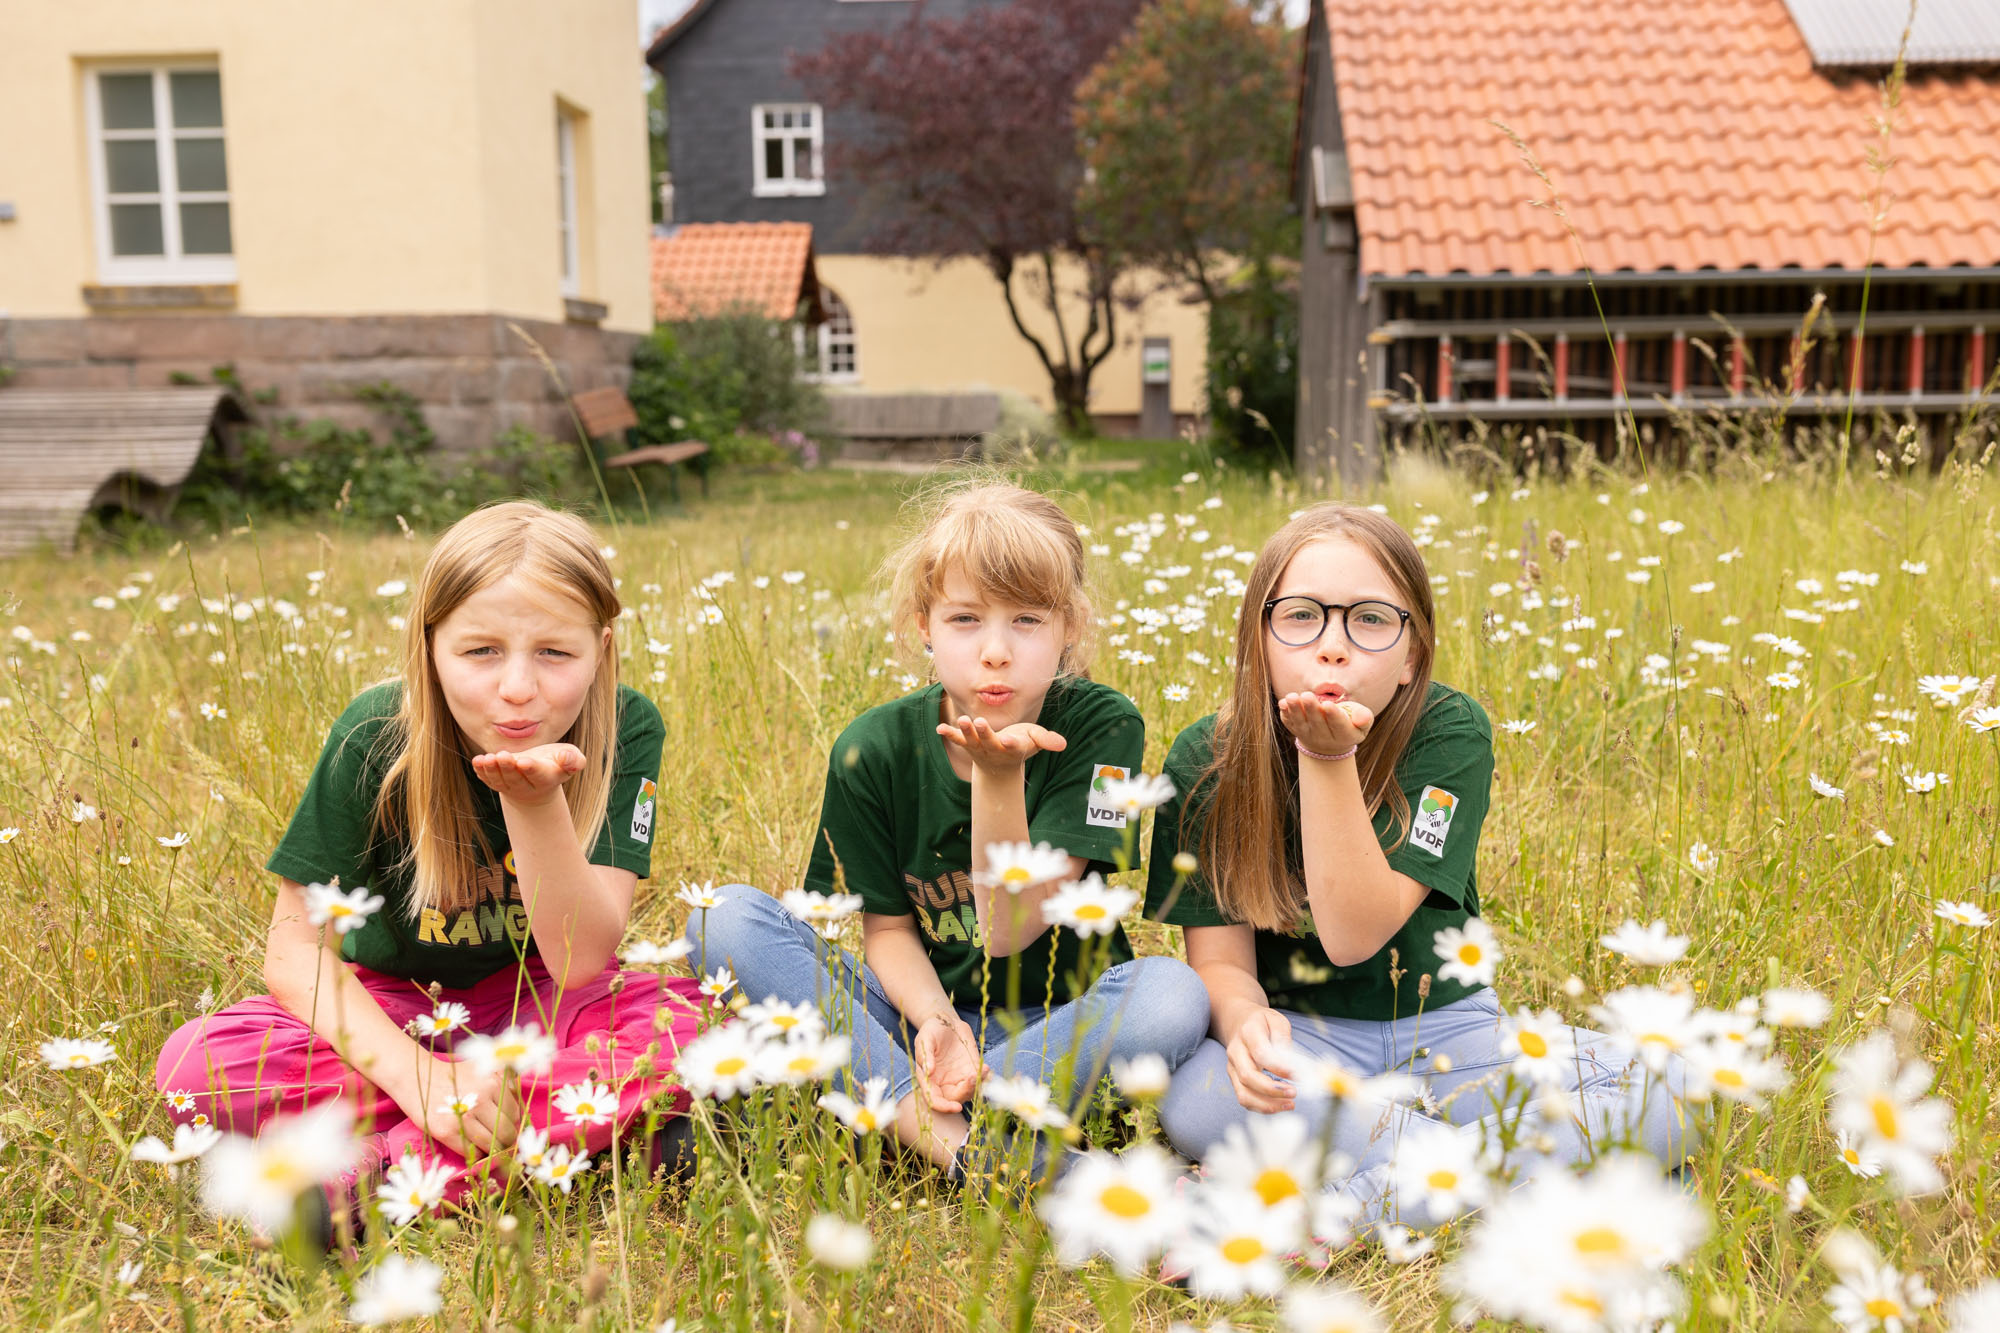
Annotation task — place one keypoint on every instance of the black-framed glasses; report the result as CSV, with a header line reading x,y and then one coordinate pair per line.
x,y
1373,627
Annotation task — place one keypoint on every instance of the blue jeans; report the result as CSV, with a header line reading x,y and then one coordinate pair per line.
x,y
1149,1006
1617,1099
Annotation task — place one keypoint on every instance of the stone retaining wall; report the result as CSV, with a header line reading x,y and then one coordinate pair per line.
x,y
473,375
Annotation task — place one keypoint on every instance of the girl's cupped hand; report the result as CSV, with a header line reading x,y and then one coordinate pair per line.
x,y
1326,726
1260,1062
530,777
488,1125
993,750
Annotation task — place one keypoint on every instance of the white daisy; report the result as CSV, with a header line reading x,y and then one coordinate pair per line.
x,y
823,911
1141,791
718,984
1963,914
1984,719
448,1016
702,896
1141,1078
1919,784
1648,946
1469,952
1515,726
1440,1165
1234,1247
1542,1046
720,1063
348,911
1821,787
1027,1099
771,1019
409,1189
804,1059
1650,1022
645,953
560,1168
1703,858
76,1052
1400,1245
521,1049
1272,1158
1795,1007
835,1243
1858,1160
261,1179
874,1111
1124,1208
190,1142
1014,866
1088,906
1878,1097
1878,1297
586,1103
397,1289
1734,1071
1976,1309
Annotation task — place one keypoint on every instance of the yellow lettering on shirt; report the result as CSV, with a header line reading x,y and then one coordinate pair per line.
x,y
465,928
430,926
517,922
950,927
492,922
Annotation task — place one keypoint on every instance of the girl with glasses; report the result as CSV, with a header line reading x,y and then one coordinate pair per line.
x,y
1334,806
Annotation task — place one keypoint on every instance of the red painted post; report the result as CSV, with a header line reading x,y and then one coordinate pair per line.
x,y
1917,361
1736,366
1618,365
1562,367
1854,375
1503,369
1975,360
1444,368
1677,385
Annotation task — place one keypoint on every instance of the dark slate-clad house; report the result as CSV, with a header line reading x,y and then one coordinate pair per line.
x,y
745,147
1712,163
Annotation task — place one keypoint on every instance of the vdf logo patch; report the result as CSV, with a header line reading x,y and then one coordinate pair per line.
x,y
1431,822
642,811
1097,812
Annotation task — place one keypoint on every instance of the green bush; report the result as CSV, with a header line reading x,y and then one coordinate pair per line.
x,y
718,378
1253,368
294,467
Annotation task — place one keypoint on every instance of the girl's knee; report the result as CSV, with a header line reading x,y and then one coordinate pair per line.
x,y
1200,1103
1170,1005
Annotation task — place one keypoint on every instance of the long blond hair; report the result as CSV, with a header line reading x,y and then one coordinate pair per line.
x,y
426,797
1250,788
1014,544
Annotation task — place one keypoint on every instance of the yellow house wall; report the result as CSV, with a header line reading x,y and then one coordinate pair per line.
x,y
384,157
920,326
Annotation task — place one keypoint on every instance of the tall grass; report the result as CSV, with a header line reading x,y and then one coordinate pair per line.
x,y
1652,730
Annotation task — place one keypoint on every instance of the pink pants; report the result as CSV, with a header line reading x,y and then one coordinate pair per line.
x,y
256,1059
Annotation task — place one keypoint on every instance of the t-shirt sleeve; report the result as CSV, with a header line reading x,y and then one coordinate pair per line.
x,y
1104,731
854,848
632,810
328,838
1447,777
1175,830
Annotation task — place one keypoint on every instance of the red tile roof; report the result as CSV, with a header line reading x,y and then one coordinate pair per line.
x,y
705,268
1687,135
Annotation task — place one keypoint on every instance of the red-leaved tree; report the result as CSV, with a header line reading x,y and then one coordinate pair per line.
x,y
969,150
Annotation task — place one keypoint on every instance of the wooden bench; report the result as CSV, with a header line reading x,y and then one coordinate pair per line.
x,y
913,426
607,414
65,453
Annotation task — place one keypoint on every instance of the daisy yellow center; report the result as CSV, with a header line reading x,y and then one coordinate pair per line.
x,y
801,1064
1884,1112
340,909
1600,1242
1729,1078
79,1058
586,1108
1275,1186
1014,875
1581,1300
510,1053
1665,1039
1884,1308
1090,912
1470,954
733,1065
282,1173
1533,1045
785,1021
866,1119
1851,1156
1442,1180
1123,1201
1242,1249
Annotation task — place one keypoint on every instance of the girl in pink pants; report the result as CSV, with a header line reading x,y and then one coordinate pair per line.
x,y
463,861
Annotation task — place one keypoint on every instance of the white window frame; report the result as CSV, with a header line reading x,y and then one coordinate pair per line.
x,y
566,220
173,266
794,183
823,336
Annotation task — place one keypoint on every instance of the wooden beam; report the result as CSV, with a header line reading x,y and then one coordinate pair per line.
x,y
1854,367
1444,369
1503,369
1562,367
1619,341
1975,359
1736,366
1677,374
1917,361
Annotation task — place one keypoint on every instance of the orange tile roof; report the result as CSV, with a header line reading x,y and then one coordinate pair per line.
x,y
705,268
1681,136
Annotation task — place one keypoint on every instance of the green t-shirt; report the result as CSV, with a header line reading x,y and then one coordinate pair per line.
x,y
899,820
330,838
1446,774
